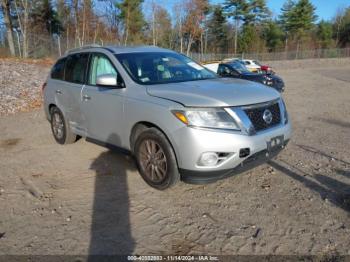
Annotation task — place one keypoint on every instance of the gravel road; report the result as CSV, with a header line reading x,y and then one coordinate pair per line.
x,y
84,199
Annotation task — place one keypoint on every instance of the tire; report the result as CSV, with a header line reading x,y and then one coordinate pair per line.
x,y
156,159
60,128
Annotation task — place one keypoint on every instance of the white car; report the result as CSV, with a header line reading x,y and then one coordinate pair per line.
x,y
252,65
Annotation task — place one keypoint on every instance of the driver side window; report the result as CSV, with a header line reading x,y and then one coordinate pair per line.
x,y
224,70
100,65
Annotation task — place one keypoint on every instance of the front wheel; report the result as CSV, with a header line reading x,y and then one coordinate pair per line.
x,y
156,160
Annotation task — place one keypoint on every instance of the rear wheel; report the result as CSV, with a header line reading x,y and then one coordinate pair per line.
x,y
156,159
60,128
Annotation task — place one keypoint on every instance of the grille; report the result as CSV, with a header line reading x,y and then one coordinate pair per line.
x,y
256,116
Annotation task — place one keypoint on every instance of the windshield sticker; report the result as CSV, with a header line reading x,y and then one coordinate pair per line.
x,y
195,66
165,59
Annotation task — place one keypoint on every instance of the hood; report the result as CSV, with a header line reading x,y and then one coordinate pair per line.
x,y
218,92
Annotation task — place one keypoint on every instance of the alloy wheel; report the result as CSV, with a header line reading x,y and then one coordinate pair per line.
x,y
57,125
153,160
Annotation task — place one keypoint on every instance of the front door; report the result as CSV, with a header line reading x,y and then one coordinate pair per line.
x,y
102,106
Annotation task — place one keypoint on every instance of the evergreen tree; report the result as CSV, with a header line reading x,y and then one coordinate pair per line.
x,y
218,30
132,19
273,36
45,18
237,9
324,34
249,40
297,19
285,16
257,12
284,20
302,17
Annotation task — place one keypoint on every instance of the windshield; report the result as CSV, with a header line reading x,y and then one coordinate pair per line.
x,y
150,68
239,67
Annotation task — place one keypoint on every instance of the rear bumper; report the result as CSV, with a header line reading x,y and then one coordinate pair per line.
x,y
205,177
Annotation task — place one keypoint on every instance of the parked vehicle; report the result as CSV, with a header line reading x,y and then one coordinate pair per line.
x,y
178,119
257,66
235,69
251,66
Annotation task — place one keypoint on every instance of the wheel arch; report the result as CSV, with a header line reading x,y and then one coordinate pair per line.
x,y
50,106
141,126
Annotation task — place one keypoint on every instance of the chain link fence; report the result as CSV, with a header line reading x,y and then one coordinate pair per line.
x,y
276,56
42,46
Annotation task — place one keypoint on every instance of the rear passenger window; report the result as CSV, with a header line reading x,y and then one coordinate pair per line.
x,y
76,67
57,71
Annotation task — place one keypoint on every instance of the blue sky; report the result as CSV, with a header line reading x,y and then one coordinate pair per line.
x,y
325,9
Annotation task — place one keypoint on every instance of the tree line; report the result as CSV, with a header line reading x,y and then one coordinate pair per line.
x,y
235,26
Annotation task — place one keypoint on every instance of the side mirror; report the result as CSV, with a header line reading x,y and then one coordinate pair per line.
x,y
109,80
106,80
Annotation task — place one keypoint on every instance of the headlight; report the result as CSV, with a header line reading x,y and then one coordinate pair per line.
x,y
206,118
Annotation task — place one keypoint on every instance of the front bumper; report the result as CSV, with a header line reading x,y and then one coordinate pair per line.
x,y
190,143
197,177
277,84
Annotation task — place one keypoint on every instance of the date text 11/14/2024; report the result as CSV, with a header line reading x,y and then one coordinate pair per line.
x,y
173,258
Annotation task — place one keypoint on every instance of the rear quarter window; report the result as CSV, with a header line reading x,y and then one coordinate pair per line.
x,y
76,68
57,71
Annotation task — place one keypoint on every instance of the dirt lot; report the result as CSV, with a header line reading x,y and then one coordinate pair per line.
x,y
84,199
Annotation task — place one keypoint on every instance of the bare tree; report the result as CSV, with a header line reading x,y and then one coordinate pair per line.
x,y
5,5
338,20
194,26
75,7
22,11
160,23
179,18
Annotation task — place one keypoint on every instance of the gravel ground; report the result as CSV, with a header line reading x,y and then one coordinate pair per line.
x,y
309,63
20,85
84,199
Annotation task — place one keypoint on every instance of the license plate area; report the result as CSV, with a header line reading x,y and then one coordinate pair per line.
x,y
275,143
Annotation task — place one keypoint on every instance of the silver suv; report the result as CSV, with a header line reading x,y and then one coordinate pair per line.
x,y
179,120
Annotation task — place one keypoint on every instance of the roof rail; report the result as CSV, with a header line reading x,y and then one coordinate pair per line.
x,y
81,48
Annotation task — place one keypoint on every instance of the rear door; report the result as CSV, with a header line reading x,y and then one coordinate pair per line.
x,y
57,86
75,77
103,106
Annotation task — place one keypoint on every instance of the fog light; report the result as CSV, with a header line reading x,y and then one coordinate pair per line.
x,y
209,159
244,152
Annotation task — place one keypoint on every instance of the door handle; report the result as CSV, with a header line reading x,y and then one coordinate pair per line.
x,y
59,92
86,97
